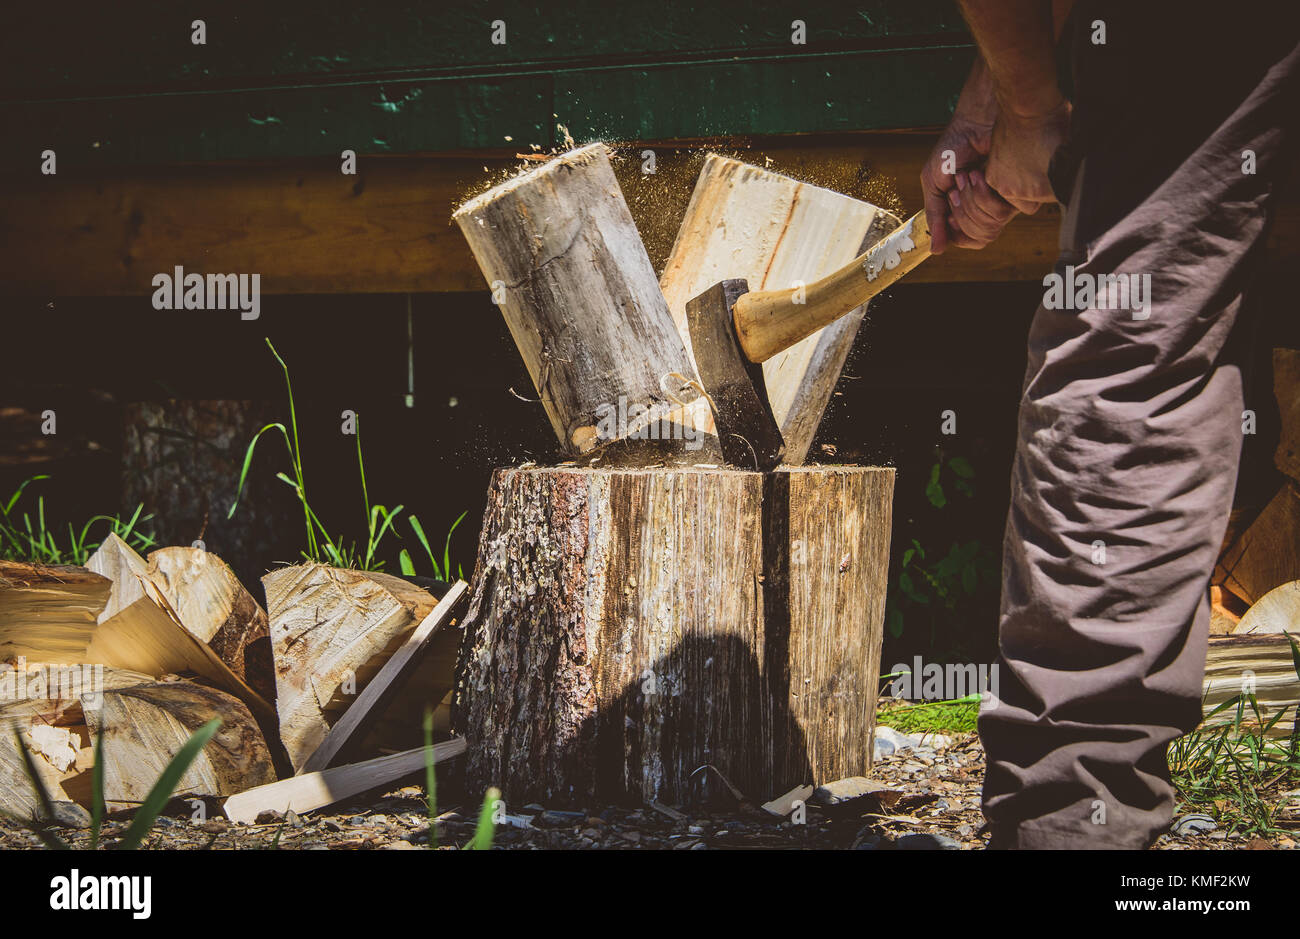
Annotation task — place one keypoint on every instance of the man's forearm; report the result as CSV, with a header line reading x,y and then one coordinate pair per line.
x,y
1016,40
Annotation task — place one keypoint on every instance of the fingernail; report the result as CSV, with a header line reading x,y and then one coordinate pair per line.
x,y
954,198
961,180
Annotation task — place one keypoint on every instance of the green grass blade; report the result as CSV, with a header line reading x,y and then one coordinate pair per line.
x,y
404,561
51,840
430,779
416,527
97,789
248,461
485,830
162,790
446,548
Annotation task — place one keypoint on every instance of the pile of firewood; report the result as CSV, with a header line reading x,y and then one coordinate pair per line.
x,y
148,651
1255,590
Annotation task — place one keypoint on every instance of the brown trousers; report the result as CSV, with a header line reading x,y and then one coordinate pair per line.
x,y
1130,431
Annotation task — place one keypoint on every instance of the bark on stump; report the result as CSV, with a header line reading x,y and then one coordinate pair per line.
x,y
628,627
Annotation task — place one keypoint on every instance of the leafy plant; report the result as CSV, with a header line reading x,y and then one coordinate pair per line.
x,y
145,816
380,521
1235,770
28,537
929,586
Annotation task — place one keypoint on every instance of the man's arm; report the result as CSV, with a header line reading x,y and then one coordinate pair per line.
x,y
961,206
1017,40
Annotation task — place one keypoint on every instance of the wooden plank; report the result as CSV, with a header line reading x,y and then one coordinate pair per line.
x,y
362,713
308,229
316,790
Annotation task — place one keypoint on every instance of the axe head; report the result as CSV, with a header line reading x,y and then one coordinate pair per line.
x,y
747,429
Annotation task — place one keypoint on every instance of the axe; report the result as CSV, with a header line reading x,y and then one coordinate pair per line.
x,y
734,331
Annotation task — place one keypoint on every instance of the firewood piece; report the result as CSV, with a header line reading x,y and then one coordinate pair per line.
x,y
49,612
331,631
627,627
44,703
148,637
1258,664
1278,611
581,300
122,564
1267,554
1286,388
1223,618
747,222
383,686
145,726
214,606
316,790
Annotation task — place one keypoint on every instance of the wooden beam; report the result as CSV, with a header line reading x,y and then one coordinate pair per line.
x,y
365,709
315,790
308,229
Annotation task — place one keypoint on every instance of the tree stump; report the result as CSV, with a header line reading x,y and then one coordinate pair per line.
x,y
627,627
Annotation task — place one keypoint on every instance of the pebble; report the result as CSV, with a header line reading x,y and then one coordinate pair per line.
x,y
1192,824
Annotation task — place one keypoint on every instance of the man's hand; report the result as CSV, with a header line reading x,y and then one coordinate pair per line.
x,y
960,207
1021,150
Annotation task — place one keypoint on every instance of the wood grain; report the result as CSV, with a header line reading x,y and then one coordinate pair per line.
x,y
628,627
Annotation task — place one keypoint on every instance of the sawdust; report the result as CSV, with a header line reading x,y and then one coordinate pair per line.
x,y
657,182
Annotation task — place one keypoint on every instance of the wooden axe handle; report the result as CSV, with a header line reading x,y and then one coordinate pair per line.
x,y
771,321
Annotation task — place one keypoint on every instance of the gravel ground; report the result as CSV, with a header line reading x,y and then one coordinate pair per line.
x,y
915,794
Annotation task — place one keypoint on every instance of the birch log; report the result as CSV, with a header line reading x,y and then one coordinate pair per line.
x,y
773,231
565,262
627,627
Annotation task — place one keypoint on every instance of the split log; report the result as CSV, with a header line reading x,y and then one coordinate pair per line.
x,y
1258,664
379,692
193,589
147,636
563,257
332,630
146,725
44,704
214,606
628,627
1266,554
316,790
773,231
122,564
1278,611
49,612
